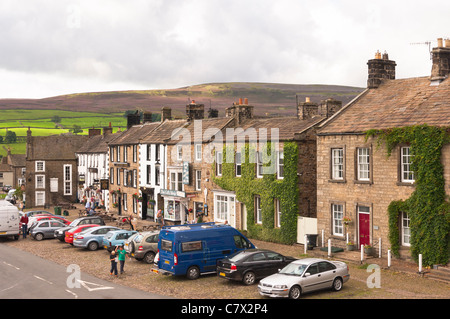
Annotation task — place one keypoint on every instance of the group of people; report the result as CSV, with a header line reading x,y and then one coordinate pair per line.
x,y
118,256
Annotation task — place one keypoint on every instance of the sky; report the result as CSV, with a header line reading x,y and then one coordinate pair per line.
x,y
50,48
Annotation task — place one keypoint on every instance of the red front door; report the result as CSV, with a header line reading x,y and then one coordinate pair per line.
x,y
364,229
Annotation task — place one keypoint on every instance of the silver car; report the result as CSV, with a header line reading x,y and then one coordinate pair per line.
x,y
143,246
45,229
305,275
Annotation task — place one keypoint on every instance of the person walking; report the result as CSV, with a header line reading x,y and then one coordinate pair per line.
x,y
121,253
113,260
24,222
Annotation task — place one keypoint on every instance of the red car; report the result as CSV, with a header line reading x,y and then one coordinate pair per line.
x,y
70,233
51,217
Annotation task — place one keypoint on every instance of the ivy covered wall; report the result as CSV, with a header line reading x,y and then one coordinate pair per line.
x,y
268,187
428,208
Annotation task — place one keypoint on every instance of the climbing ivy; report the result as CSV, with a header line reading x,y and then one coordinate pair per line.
x,y
268,188
427,207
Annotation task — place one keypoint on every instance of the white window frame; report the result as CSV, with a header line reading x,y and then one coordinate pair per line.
x,y
198,152
277,213
337,214
219,160
37,197
40,184
363,164
67,179
406,229
224,207
176,180
198,180
259,165
258,210
280,165
238,164
407,175
37,168
53,185
337,163
179,152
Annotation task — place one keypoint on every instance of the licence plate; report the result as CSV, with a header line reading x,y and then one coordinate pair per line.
x,y
2,232
167,262
222,274
155,270
132,255
105,247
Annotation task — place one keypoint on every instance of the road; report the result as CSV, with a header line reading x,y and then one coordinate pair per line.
x,y
26,276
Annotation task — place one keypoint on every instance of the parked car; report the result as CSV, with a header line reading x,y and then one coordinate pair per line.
x,y
61,233
143,246
48,217
45,229
305,275
194,249
252,264
33,213
6,188
75,230
92,238
116,238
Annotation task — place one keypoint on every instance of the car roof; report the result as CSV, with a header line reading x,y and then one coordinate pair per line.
x,y
307,261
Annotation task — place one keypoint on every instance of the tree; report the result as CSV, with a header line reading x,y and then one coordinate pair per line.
x,y
76,129
10,137
56,119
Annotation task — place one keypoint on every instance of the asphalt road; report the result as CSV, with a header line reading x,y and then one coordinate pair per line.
x,y
26,276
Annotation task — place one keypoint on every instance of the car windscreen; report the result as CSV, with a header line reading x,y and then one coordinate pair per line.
x,y
294,269
138,238
237,256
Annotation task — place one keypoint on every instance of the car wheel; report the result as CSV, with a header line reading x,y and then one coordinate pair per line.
x,y
93,245
249,278
295,292
193,272
337,284
39,236
149,257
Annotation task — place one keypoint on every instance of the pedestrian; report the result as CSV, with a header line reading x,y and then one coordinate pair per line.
x,y
159,217
24,221
133,223
113,260
121,253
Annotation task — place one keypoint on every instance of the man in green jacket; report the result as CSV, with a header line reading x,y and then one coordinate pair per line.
x,y
121,253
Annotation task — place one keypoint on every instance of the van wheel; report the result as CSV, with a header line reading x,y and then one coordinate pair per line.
x,y
193,272
92,246
39,236
249,278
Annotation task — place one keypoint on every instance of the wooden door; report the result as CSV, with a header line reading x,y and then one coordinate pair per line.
x,y
364,229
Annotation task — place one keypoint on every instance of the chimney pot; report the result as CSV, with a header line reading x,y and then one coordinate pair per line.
x,y
307,99
240,101
246,101
439,43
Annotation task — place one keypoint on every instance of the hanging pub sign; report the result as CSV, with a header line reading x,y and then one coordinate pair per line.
x,y
186,173
104,184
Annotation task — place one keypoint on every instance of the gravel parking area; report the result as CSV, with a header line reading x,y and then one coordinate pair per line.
x,y
395,284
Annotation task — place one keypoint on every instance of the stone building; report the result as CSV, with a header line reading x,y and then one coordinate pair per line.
x,y
51,169
12,170
356,179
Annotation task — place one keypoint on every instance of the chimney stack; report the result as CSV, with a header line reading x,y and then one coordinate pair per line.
x,y
241,110
307,109
166,114
133,119
380,68
94,132
441,60
107,130
147,117
195,111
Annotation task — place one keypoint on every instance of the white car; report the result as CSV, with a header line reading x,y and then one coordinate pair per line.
x,y
305,275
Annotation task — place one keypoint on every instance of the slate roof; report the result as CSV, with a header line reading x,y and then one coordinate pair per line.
x,y
134,134
54,147
163,132
97,144
395,103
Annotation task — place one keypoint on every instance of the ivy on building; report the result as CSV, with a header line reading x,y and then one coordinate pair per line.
x,y
268,188
427,208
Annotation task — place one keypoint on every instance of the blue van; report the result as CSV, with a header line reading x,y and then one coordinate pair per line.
x,y
194,249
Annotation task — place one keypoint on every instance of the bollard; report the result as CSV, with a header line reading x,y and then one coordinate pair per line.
x,y
389,258
346,238
362,253
329,247
306,243
420,263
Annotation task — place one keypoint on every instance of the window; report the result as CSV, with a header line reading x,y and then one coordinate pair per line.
x,y
40,198
219,163
118,176
40,181
157,177
280,170
406,231
134,153
258,213
191,246
111,175
407,175
277,213
40,166
166,245
198,152
125,201
179,152
240,242
53,185
176,181
67,179
149,174
125,177
238,163
157,152
363,164
149,152
337,162
221,206
338,215
259,164
198,180
125,154
118,154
